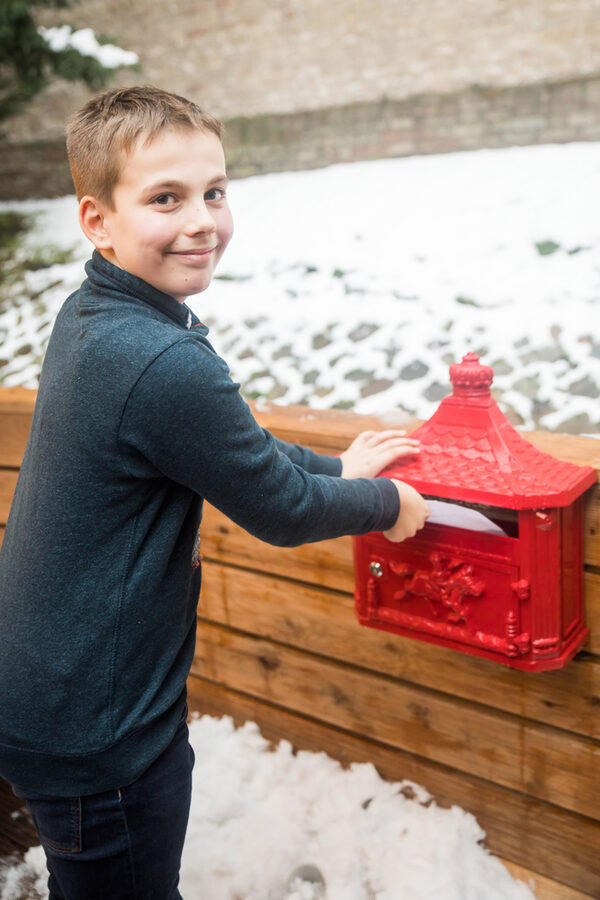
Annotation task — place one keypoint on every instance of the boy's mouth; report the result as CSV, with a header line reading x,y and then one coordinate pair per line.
x,y
193,252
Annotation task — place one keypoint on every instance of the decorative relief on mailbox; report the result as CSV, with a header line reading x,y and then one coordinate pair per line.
x,y
522,589
446,585
502,594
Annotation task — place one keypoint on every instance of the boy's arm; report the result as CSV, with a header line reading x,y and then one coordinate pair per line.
x,y
186,420
368,454
315,463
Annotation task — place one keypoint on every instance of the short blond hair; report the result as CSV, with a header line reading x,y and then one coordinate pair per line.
x,y
111,124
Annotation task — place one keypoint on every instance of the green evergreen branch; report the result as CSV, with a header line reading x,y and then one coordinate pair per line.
x,y
28,64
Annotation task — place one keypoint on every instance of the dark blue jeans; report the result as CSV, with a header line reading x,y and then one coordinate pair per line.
x,y
124,844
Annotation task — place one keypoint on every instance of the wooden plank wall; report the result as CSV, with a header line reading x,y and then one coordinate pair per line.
x,y
278,643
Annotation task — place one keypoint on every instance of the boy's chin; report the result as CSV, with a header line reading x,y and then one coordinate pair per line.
x,y
192,292
182,292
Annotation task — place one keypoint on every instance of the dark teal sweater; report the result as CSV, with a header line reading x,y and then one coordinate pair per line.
x,y
136,422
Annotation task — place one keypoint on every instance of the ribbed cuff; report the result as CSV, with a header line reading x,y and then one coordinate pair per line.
x,y
391,502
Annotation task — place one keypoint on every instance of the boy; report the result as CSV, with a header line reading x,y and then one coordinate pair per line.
x,y
136,422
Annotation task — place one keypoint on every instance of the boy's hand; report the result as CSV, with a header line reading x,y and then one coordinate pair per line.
x,y
372,451
413,513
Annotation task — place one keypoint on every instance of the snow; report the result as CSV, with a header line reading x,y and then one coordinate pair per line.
x,y
257,815
356,285
85,42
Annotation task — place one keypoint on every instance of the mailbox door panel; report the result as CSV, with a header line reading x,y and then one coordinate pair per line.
x,y
446,585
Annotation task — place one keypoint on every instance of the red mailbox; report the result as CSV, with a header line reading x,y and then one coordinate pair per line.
x,y
498,569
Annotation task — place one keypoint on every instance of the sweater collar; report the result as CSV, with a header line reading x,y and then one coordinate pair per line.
x,y
103,274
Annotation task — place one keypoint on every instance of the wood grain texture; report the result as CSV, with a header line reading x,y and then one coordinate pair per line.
x,y
323,622
326,563
17,832
592,606
546,763
8,481
16,410
543,888
553,842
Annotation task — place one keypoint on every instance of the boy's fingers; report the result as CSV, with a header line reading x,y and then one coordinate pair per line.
x,y
362,440
384,458
405,442
403,451
379,437
374,438
400,446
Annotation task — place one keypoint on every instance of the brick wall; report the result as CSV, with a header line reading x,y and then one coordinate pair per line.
x,y
301,82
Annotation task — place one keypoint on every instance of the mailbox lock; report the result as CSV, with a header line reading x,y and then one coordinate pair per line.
x,y
376,569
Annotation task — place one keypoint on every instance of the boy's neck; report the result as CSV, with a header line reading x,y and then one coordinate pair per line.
x,y
110,257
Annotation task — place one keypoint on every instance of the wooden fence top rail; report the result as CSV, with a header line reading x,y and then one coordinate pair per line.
x,y
333,429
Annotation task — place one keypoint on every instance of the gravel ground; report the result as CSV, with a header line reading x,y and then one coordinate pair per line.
x,y
356,286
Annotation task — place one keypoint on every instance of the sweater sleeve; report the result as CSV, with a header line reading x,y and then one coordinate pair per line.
x,y
315,463
185,419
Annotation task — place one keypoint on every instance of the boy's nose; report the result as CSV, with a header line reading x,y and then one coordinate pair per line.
x,y
199,220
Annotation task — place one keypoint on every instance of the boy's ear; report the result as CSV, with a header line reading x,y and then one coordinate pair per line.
x,y
92,219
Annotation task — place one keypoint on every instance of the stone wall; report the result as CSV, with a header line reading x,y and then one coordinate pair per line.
x,y
426,123
305,83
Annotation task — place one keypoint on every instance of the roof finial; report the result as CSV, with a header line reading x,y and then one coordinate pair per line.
x,y
470,377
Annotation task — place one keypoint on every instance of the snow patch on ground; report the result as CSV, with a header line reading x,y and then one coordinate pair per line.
x,y
257,815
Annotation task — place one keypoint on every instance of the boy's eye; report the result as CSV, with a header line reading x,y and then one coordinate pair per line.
x,y
164,199
215,194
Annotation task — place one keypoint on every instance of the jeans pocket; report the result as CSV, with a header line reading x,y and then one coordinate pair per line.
x,y
58,822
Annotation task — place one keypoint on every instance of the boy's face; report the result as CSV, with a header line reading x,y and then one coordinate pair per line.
x,y
171,222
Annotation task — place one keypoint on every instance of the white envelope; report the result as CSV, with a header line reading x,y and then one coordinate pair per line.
x,y
461,517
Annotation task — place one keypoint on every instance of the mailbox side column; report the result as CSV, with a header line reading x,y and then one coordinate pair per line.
x,y
573,606
540,537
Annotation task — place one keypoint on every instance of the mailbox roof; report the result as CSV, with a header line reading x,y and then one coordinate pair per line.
x,y
471,452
